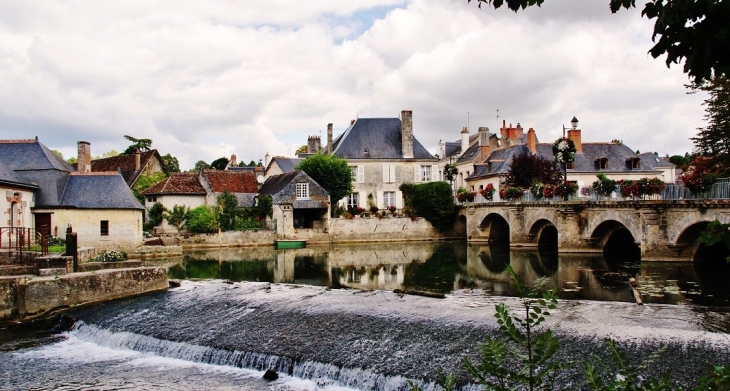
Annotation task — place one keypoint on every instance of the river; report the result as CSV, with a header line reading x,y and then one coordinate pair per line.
x,y
327,319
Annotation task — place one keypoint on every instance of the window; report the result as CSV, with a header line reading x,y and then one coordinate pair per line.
x,y
302,191
388,199
354,173
633,163
425,173
352,200
104,229
570,165
388,173
602,163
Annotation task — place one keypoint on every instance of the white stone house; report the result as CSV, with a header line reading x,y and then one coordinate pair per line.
x,y
299,203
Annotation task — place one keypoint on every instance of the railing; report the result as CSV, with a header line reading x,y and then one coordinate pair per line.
x,y
16,238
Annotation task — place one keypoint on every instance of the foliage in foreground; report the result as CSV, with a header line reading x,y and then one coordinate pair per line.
x,y
434,201
154,216
110,256
330,172
716,232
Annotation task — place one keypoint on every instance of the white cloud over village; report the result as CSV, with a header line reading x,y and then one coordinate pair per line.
x,y
205,79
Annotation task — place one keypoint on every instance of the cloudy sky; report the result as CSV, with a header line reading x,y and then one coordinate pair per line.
x,y
207,79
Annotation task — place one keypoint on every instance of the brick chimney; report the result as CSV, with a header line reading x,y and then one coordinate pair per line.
x,y
233,162
84,156
532,140
519,135
464,139
574,134
329,138
484,148
504,131
137,160
406,119
314,144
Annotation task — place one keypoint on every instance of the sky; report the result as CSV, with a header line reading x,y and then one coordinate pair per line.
x,y
205,80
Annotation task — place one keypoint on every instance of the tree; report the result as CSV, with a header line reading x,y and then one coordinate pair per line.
x,y
302,149
219,164
111,153
200,165
713,141
176,217
228,204
202,219
251,164
171,163
143,144
145,181
694,31
435,202
679,160
331,172
57,153
154,216
527,168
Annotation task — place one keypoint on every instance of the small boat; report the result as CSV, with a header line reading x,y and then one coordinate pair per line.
x,y
290,243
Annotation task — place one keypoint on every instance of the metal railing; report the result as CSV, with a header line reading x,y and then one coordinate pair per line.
x,y
16,238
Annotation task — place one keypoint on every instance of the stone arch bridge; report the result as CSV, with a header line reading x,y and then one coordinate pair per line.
x,y
662,230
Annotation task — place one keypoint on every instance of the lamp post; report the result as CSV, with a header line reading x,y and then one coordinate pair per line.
x,y
564,153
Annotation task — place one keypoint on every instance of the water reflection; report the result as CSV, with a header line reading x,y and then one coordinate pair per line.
x,y
447,266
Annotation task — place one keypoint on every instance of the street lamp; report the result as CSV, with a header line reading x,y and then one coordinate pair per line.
x,y
562,152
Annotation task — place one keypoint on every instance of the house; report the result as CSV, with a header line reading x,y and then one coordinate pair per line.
x,y
131,166
614,159
382,153
298,203
280,165
99,206
16,202
469,151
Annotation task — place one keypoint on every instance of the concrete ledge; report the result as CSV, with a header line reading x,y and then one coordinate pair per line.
x,y
26,297
146,252
51,272
94,266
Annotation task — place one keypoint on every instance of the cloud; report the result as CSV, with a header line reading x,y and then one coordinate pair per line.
x,y
202,80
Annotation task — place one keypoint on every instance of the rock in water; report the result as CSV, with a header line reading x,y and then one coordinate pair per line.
x,y
270,375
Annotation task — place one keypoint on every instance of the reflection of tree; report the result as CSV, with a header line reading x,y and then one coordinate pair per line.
x,y
310,270
437,274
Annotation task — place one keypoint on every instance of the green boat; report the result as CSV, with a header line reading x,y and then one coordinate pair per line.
x,y
284,244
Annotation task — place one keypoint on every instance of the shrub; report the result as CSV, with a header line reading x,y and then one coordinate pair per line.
x,y
566,189
110,256
202,220
154,216
56,241
538,190
510,193
435,203
488,192
407,189
698,179
176,217
604,186
463,195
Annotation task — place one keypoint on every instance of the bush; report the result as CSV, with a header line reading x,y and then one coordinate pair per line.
x,y
110,256
154,216
488,192
604,186
56,241
435,203
463,195
510,193
202,220
407,189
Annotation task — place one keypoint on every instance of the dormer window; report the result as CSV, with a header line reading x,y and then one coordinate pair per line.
x,y
633,163
570,165
601,163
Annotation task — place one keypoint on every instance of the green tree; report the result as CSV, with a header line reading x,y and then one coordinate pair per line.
x,y
435,202
202,219
604,186
176,217
145,181
200,165
251,164
171,163
331,172
713,141
302,149
143,144
57,153
264,206
527,168
694,31
228,204
154,216
219,164
679,160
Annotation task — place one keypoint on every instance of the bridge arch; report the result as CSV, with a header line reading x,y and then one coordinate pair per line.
x,y
460,226
687,244
495,228
616,240
544,233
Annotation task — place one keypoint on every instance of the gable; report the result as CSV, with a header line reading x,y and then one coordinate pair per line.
x,y
376,138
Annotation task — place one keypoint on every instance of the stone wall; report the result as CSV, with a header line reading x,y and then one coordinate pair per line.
x,y
42,294
223,239
378,230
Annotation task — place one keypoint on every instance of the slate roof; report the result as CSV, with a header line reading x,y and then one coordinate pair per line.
x,y
231,181
649,159
276,183
10,177
381,137
286,164
177,183
125,164
82,191
28,155
501,160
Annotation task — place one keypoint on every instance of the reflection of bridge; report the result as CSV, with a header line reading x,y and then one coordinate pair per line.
x,y
663,230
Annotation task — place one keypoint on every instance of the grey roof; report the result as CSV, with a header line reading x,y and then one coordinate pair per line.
x,y
10,177
650,159
469,155
25,155
616,154
451,149
282,189
287,164
500,161
98,191
276,183
381,137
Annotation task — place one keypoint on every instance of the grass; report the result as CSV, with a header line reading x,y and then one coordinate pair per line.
x,y
51,249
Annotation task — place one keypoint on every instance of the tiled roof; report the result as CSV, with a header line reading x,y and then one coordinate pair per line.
x,y
125,164
26,155
380,137
177,183
82,191
231,181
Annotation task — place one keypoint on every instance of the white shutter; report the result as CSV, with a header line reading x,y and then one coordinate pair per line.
x,y
416,173
360,174
399,199
385,173
434,173
391,172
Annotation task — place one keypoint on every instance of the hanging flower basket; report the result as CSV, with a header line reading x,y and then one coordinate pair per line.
x,y
564,150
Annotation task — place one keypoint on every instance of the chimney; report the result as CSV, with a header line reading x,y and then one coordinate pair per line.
x,y
406,127
84,156
574,134
329,138
464,139
532,140
233,162
442,149
314,144
137,163
484,148
519,135
267,159
503,131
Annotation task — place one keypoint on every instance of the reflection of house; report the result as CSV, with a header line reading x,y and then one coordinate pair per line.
x,y
98,205
130,166
614,159
383,154
298,202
